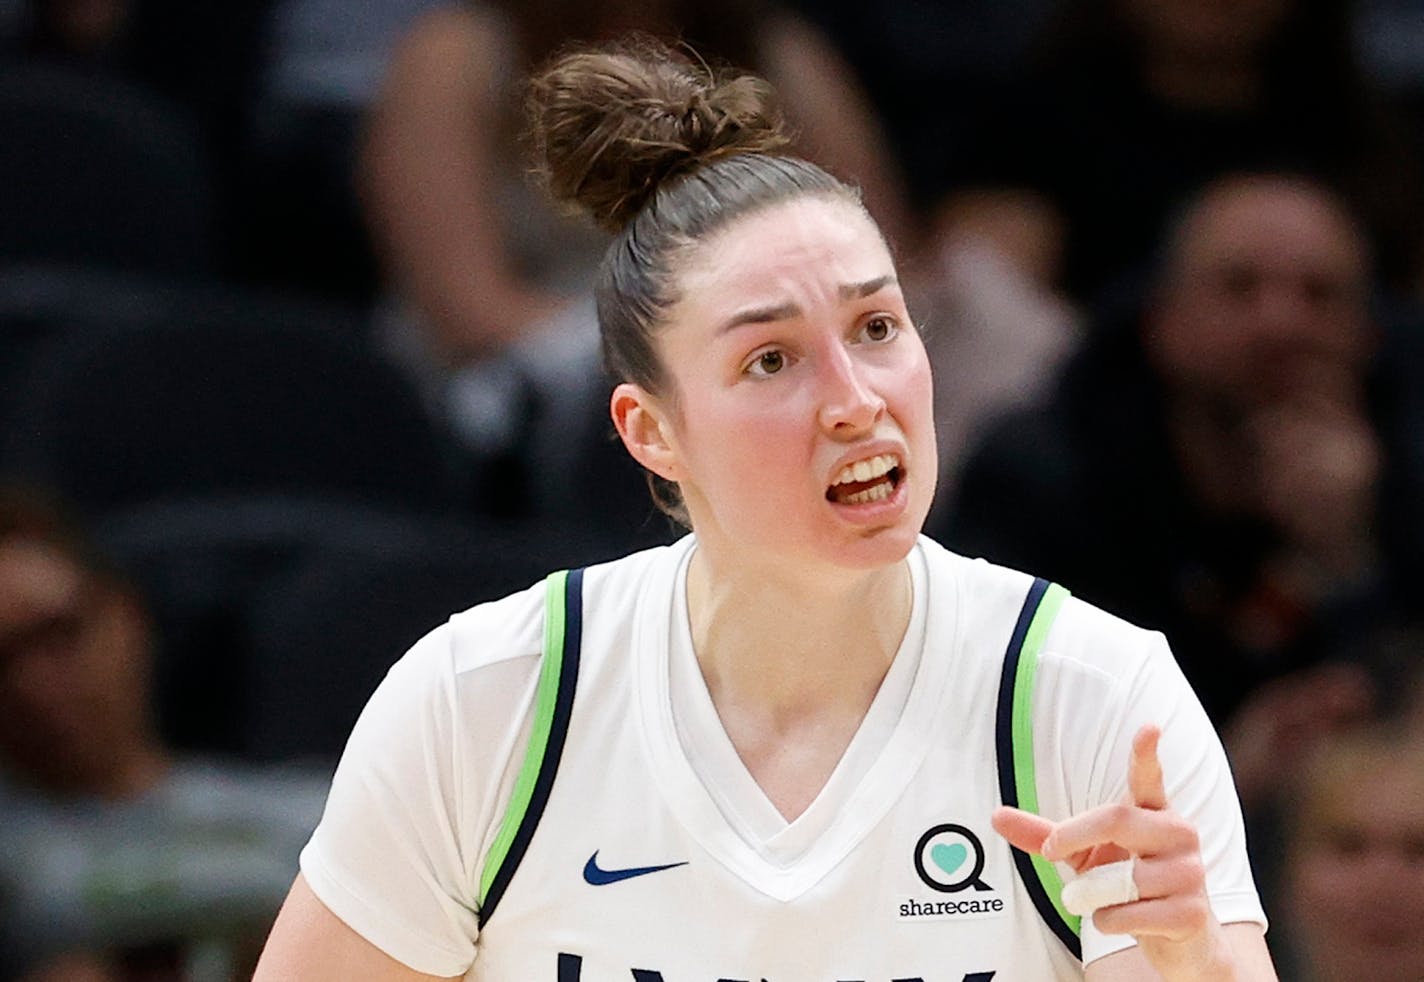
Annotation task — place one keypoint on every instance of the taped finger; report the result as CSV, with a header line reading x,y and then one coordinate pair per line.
x,y
1101,886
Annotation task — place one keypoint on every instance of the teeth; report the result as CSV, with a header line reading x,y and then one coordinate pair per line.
x,y
877,493
865,470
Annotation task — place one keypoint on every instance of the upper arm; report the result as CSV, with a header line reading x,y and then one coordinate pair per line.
x,y
431,172
836,125
1248,948
310,943
395,856
427,141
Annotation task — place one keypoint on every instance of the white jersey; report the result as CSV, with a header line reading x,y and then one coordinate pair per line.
x,y
656,858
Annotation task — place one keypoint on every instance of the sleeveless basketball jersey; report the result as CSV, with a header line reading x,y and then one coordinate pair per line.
x,y
651,883
606,858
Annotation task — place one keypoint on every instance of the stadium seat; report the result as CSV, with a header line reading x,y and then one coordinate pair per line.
x,y
225,396
93,171
324,635
201,564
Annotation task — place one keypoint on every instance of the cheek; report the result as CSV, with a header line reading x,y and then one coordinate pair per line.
x,y
738,439
921,385
1409,876
911,395
1341,337
1320,891
1200,349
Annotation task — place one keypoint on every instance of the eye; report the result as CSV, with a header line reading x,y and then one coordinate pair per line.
x,y
879,328
769,362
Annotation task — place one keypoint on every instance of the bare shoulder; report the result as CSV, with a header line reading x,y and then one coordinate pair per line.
x,y
451,43
803,64
457,29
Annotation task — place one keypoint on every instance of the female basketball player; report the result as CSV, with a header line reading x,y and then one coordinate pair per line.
x,y
781,748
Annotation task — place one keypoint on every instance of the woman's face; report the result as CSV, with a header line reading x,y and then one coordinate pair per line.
x,y
73,668
1355,880
798,414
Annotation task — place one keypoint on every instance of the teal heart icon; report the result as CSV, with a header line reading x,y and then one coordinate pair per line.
x,y
949,858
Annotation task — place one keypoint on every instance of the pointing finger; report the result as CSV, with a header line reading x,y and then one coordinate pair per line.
x,y
1130,828
1024,830
1144,772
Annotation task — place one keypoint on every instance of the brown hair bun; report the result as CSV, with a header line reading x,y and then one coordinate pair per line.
x,y
609,125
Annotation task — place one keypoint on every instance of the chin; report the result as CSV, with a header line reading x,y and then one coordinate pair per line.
x,y
882,547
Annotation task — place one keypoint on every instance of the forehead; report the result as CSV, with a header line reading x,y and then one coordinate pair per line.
x,y
1385,789
1273,224
796,245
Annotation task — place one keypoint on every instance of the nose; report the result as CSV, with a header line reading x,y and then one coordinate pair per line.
x,y
1278,308
849,403
1285,311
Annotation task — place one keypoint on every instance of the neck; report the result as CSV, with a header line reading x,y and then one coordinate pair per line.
x,y
790,646
793,663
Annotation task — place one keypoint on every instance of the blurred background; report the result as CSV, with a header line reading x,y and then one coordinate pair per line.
x,y
295,362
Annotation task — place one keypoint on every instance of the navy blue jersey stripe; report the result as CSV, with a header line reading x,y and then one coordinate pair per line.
x,y
1008,789
1004,719
553,752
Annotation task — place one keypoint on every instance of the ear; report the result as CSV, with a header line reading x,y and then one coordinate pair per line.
x,y
643,425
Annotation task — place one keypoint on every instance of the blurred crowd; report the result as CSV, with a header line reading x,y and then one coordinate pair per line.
x,y
295,361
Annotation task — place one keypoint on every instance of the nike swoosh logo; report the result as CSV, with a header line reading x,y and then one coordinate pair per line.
x,y
598,877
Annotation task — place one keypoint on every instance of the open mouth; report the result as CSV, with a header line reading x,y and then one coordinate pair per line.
x,y
866,481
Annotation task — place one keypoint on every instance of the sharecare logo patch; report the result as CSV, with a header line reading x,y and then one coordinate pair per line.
x,y
949,860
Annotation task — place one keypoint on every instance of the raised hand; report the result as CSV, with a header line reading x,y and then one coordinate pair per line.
x,y
1171,915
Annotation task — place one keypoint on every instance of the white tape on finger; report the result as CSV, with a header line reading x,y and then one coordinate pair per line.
x,y
1101,886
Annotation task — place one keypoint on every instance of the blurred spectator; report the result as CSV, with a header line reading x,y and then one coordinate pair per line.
x,y
1214,468
1377,674
994,335
121,861
487,267
1074,170
1353,899
996,339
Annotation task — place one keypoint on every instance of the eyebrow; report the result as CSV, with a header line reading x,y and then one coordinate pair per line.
x,y
786,311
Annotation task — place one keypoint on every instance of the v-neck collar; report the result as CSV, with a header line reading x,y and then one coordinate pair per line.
x,y
711,790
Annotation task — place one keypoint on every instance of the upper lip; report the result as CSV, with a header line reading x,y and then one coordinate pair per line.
x,y
866,452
